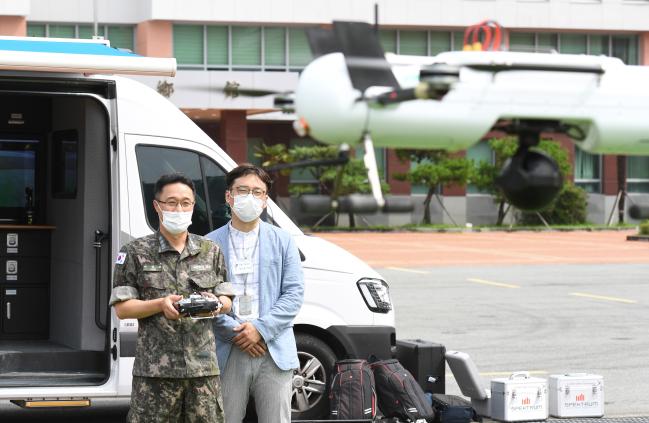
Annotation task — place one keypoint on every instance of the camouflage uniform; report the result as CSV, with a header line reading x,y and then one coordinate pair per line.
x,y
175,371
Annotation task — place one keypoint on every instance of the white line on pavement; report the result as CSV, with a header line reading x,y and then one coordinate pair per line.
x,y
603,297
498,284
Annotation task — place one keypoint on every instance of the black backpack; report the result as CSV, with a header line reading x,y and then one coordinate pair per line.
x,y
352,394
453,409
399,394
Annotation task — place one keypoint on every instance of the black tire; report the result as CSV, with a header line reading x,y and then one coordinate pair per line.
x,y
310,398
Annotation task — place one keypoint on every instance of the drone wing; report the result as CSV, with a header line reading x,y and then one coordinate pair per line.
x,y
364,56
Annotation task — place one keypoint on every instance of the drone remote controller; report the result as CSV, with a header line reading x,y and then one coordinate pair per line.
x,y
196,305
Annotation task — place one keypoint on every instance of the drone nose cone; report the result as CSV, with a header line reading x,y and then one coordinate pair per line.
x,y
530,180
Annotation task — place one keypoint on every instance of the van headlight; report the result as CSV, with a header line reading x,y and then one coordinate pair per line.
x,y
376,294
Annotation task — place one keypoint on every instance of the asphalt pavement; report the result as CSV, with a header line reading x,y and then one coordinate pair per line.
x,y
545,319
547,303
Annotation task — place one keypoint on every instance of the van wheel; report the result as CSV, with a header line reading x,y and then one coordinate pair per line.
x,y
310,398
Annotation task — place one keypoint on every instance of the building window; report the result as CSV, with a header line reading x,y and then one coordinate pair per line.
x,y
188,44
388,40
246,47
522,41
299,53
240,47
274,47
457,42
587,171
439,42
413,43
61,31
624,47
479,153
573,44
637,171
120,36
598,44
216,45
547,42
36,30
379,154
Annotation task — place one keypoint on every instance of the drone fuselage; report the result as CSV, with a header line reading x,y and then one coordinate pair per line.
x,y
609,108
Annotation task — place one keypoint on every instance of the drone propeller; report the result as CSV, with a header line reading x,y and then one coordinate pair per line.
x,y
283,100
233,89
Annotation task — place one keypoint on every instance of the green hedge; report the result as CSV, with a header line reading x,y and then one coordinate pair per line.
x,y
644,227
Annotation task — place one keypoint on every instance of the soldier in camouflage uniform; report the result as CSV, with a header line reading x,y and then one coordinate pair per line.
x,y
175,374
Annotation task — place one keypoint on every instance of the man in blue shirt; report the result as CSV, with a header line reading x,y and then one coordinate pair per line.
x,y
255,342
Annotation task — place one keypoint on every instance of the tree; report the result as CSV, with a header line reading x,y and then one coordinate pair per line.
x,y
353,177
484,174
433,169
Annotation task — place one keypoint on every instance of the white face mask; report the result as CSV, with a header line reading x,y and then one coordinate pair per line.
x,y
247,207
176,222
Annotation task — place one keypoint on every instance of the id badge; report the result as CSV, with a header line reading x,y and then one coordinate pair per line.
x,y
245,305
243,267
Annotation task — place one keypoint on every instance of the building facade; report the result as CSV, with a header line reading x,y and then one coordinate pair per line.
x,y
261,44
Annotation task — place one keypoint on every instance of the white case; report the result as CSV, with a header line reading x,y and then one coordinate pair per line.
x,y
519,398
576,395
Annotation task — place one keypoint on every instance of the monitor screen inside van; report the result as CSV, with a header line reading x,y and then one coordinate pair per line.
x,y
17,172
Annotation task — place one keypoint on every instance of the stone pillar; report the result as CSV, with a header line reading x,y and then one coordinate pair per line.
x,y
233,134
609,174
394,165
154,39
455,200
644,48
15,26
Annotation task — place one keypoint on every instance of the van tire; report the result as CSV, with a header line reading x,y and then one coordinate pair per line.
x,y
322,358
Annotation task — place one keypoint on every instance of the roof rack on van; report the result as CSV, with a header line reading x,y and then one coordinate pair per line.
x,y
77,56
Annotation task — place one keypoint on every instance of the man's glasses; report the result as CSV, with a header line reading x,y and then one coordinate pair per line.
x,y
243,190
173,204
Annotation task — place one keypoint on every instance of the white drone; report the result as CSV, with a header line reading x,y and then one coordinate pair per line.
x,y
352,93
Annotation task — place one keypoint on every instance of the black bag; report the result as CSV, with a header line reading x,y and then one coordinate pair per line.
x,y
398,392
453,409
352,394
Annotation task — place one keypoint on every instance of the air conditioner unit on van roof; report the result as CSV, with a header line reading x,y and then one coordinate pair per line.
x,y
77,56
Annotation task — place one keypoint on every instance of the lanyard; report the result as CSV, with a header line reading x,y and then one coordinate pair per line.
x,y
236,256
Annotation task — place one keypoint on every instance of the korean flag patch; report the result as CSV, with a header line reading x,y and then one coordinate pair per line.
x,y
121,257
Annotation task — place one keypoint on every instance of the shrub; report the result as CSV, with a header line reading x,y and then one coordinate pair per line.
x,y
569,208
644,227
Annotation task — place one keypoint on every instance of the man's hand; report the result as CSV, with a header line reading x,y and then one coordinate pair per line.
x,y
167,306
247,336
258,349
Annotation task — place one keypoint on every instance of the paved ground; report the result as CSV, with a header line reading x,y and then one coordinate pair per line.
x,y
491,248
543,302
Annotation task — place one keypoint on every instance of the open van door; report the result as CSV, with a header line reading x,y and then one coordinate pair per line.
x,y
60,224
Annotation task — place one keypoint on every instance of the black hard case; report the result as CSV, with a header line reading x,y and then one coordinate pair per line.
x,y
424,359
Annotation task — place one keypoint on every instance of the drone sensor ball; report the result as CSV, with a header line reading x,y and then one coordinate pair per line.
x,y
530,180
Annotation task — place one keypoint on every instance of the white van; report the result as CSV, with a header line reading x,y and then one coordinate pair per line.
x,y
80,150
